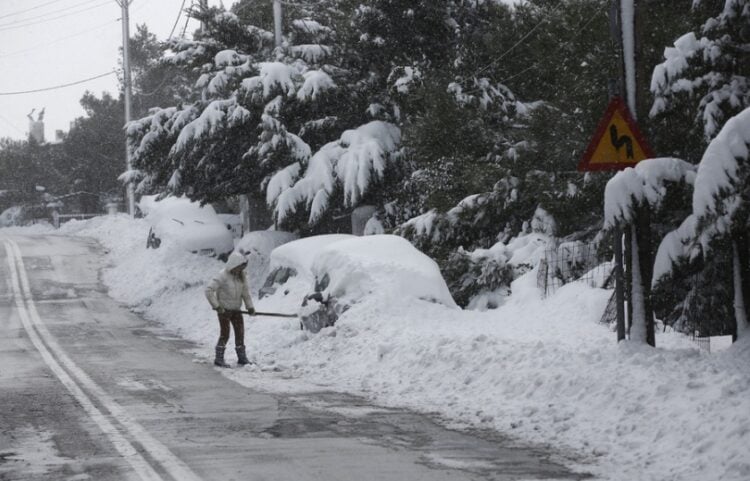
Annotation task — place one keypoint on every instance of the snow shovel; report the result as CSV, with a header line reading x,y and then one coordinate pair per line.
x,y
272,314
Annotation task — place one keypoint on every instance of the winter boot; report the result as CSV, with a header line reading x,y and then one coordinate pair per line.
x,y
219,360
241,356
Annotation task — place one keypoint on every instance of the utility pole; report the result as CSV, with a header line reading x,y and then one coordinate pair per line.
x,y
615,90
624,22
203,5
124,4
277,22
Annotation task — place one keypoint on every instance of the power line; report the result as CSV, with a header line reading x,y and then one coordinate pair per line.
x,y
554,52
521,40
58,40
55,87
47,14
15,25
176,21
29,9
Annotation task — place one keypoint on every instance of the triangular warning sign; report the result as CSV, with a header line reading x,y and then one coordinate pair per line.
x,y
617,142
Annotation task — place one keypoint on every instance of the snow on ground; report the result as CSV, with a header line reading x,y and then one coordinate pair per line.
x,y
542,371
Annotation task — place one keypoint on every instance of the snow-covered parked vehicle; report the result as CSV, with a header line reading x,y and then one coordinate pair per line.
x,y
177,221
290,272
257,246
12,216
349,270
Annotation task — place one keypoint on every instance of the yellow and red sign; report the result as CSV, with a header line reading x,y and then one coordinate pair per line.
x,y
617,142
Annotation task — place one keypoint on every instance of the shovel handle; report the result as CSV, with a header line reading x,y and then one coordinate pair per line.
x,y
271,314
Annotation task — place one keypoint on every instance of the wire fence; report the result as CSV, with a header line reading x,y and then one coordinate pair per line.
x,y
703,342
575,261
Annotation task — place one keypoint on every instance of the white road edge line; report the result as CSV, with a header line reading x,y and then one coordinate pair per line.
x,y
158,451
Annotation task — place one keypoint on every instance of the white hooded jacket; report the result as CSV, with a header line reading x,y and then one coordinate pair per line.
x,y
227,290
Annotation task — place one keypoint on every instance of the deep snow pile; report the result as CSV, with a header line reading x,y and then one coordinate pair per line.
x,y
540,370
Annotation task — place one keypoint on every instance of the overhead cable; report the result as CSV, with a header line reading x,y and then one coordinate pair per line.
x,y
55,87
19,12
20,24
58,40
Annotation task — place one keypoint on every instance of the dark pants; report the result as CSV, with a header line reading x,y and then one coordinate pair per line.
x,y
234,318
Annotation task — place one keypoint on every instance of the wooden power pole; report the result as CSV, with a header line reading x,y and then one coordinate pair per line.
x,y
124,4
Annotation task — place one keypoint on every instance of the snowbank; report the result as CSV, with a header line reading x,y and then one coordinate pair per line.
x,y
539,370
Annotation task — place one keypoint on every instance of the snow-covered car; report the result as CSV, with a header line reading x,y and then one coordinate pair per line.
x,y
177,221
290,271
257,246
347,271
12,216
233,223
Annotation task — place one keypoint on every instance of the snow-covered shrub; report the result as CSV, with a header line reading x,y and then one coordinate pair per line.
x,y
476,273
480,279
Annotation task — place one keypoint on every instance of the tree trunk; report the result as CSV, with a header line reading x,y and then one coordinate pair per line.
x,y
641,265
629,277
743,245
740,311
638,331
254,213
646,258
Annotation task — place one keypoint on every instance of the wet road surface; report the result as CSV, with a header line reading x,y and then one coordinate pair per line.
x,y
90,391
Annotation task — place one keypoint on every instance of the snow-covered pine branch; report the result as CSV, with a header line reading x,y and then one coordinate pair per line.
x,y
354,163
644,184
721,190
679,244
706,67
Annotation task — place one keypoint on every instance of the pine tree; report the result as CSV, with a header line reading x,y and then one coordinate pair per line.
x,y
711,65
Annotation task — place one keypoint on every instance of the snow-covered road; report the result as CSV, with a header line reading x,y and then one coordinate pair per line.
x,y
89,390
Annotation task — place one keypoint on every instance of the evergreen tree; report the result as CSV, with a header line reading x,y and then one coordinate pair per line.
x,y
711,64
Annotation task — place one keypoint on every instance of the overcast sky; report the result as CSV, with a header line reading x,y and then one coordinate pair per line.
x,y
44,43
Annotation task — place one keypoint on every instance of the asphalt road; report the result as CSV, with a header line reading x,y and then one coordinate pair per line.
x,y
90,391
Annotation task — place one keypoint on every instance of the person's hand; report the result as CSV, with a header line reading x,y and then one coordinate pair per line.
x,y
220,310
251,311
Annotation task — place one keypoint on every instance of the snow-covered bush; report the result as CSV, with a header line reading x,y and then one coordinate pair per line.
x,y
481,279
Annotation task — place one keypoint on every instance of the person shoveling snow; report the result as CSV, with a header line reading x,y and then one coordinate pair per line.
x,y
226,293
